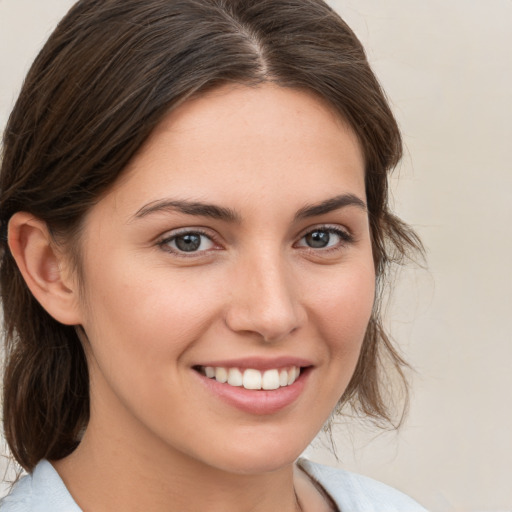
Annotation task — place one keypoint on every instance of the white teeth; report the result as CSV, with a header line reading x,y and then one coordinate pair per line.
x,y
235,377
253,379
292,375
221,375
270,380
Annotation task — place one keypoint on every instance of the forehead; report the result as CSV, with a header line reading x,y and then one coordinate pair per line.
x,y
246,140
248,114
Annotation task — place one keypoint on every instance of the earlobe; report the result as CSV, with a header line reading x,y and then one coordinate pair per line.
x,y
44,268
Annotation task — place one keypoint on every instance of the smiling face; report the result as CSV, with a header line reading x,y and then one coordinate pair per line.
x,y
235,246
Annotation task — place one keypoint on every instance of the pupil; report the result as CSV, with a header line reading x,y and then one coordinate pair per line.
x,y
317,239
188,243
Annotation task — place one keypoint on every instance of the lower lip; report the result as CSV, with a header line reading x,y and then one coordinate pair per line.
x,y
259,402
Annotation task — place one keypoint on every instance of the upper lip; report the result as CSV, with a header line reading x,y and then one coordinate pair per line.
x,y
258,363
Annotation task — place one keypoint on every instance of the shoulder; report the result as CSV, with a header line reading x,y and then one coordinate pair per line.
x,y
41,491
20,497
358,493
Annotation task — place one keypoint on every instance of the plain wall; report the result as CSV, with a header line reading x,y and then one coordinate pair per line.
x,y
447,69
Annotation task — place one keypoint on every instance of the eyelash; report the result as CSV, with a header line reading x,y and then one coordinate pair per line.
x,y
345,239
164,243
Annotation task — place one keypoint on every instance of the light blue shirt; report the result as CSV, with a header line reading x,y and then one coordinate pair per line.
x,y
44,491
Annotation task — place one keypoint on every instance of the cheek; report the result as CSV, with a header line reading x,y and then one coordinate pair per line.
x,y
136,315
344,307
140,328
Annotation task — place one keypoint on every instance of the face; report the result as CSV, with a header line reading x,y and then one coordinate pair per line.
x,y
235,246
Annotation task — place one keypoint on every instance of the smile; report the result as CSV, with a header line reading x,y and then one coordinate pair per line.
x,y
251,378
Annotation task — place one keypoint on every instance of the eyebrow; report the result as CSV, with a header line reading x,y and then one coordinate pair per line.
x,y
329,205
227,214
189,208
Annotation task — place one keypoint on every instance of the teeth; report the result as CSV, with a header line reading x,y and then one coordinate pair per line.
x,y
253,379
221,375
235,377
292,375
270,379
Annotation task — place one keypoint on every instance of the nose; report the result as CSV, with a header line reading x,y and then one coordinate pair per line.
x,y
264,300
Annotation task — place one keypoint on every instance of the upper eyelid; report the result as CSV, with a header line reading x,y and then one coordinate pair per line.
x,y
172,233
326,227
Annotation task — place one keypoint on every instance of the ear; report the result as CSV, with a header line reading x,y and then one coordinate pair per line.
x,y
45,269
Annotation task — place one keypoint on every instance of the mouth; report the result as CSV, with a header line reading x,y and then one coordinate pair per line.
x,y
251,378
255,386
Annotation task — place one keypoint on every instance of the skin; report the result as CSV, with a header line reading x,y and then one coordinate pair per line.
x,y
255,288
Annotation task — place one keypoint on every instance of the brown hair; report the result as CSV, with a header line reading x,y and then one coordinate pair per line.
x,y
106,77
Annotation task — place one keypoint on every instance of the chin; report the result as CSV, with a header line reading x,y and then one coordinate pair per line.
x,y
264,463
252,457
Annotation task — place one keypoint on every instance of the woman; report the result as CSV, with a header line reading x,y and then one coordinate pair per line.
x,y
195,219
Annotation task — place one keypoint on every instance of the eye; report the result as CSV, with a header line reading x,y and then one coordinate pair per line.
x,y
325,238
187,242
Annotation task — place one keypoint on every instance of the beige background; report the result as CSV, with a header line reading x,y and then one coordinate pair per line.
x,y
447,68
